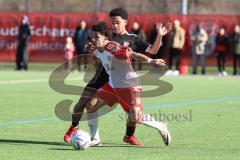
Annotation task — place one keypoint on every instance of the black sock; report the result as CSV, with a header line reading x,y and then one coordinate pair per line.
x,y
75,120
75,124
130,131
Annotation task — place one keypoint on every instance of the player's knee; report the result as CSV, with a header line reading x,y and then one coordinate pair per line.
x,y
91,105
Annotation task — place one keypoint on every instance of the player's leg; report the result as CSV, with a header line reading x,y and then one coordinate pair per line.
x,y
127,100
78,112
137,116
131,127
92,116
104,96
134,106
150,121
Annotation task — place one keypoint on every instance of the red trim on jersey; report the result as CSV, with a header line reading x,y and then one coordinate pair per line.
x,y
111,48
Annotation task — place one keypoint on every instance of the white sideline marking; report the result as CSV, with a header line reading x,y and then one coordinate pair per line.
x,y
33,81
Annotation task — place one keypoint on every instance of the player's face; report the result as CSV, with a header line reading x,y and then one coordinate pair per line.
x,y
97,39
118,25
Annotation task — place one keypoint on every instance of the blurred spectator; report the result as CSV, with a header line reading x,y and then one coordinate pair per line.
x,y
235,39
24,34
152,38
68,54
80,40
221,49
140,33
199,39
176,45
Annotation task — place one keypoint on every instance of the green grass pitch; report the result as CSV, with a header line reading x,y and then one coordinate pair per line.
x,y
208,129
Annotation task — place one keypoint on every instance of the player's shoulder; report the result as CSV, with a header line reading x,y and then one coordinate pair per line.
x,y
131,36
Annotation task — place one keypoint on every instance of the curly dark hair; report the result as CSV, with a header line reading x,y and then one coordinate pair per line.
x,y
102,28
119,12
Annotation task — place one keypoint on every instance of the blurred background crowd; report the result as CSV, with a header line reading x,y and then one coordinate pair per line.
x,y
202,43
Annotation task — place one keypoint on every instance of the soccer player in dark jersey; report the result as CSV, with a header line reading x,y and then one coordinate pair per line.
x,y
118,18
124,86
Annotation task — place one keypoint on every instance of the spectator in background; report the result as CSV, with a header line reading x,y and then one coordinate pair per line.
x,y
68,54
221,49
199,39
80,40
140,33
24,34
177,42
152,38
235,39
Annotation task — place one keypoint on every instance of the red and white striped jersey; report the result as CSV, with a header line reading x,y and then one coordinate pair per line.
x,y
116,61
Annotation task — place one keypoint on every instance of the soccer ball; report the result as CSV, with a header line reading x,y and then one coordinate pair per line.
x,y
80,140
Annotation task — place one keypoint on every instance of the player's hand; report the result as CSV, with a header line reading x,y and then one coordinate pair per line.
x,y
163,30
158,62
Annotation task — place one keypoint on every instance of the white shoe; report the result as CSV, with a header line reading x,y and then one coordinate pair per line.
x,y
95,142
163,130
220,74
176,73
224,73
169,73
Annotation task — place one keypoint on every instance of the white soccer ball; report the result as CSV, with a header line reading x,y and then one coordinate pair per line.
x,y
80,140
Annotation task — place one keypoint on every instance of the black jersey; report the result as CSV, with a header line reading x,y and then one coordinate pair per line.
x,y
133,41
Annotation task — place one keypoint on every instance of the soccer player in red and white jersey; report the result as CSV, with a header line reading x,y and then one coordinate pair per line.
x,y
119,21
124,86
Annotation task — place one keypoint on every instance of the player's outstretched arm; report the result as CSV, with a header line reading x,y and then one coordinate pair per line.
x,y
162,31
143,58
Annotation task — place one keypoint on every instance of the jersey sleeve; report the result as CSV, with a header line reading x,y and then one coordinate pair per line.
x,y
123,53
140,45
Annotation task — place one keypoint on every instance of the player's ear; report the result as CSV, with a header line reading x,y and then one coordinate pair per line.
x,y
125,21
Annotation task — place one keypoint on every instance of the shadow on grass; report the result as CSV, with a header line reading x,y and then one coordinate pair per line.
x,y
12,141
105,145
110,145
61,149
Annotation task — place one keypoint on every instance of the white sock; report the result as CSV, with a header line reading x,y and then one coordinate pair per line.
x,y
93,125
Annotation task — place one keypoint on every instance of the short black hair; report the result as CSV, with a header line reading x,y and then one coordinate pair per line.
x,y
102,28
119,12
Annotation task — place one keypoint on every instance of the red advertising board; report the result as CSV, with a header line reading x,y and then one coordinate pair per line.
x,y
49,31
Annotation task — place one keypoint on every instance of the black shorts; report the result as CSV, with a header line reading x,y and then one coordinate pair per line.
x,y
98,80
